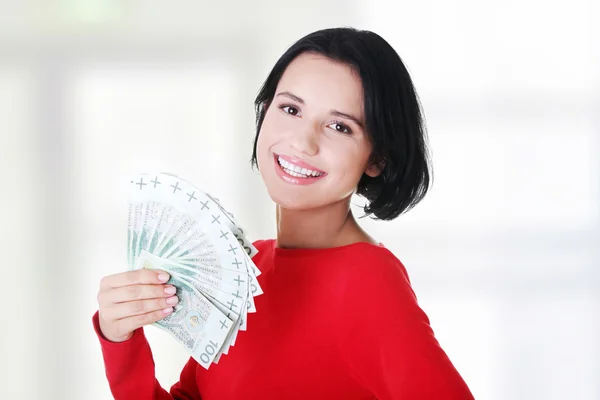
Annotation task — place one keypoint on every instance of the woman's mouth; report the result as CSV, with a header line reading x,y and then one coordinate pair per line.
x,y
297,172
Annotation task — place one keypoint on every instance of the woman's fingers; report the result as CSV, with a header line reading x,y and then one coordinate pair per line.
x,y
137,292
132,299
129,278
138,307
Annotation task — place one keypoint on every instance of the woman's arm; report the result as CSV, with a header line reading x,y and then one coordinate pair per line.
x,y
130,371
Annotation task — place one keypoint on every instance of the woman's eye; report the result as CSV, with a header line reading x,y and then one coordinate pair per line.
x,y
340,127
290,110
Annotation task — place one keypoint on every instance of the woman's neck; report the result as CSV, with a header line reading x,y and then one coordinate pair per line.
x,y
329,226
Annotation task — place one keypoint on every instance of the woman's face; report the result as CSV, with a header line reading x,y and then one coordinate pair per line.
x,y
312,148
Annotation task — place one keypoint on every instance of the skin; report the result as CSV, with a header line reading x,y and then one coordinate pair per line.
x,y
303,121
312,130
132,299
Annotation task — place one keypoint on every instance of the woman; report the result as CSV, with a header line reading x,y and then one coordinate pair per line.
x,y
338,319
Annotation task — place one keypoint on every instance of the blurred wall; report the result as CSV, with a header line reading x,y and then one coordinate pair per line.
x,y
503,253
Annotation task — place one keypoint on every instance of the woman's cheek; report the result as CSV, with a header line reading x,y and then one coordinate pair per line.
x,y
271,126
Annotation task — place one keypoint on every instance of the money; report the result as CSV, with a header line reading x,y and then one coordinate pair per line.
x,y
176,227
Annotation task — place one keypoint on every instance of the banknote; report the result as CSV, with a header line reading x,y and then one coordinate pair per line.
x,y
216,287
195,322
176,227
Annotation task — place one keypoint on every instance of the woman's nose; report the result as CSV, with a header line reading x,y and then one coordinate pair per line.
x,y
306,140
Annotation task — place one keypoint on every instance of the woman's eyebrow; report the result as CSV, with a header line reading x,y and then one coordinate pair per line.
x,y
291,96
347,116
332,112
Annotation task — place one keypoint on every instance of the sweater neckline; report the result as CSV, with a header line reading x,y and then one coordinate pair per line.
x,y
280,251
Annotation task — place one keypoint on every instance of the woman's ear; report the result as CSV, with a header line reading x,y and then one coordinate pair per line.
x,y
375,168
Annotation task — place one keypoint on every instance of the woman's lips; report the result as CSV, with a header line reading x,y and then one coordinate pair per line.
x,y
299,163
295,180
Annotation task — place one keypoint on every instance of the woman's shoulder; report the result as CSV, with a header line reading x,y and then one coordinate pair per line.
x,y
376,258
376,269
372,284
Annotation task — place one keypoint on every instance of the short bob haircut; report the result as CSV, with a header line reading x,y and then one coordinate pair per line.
x,y
393,116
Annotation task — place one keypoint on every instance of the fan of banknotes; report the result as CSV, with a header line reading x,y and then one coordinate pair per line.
x,y
175,227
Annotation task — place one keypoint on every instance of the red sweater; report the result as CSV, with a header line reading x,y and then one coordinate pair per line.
x,y
338,323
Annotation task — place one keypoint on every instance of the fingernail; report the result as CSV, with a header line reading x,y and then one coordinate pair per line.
x,y
168,310
163,277
172,300
170,290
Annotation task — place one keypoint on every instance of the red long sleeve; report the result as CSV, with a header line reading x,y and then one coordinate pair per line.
x,y
129,369
340,323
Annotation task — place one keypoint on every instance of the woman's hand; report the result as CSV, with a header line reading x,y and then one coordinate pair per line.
x,y
132,299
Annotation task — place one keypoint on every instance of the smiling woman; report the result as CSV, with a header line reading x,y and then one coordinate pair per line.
x,y
315,122
338,319
351,82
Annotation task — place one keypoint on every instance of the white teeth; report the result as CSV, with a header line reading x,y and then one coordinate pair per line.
x,y
292,173
297,171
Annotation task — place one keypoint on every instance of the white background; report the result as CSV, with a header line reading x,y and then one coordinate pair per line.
x,y
504,252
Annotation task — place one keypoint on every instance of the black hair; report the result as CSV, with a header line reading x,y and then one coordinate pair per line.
x,y
394,121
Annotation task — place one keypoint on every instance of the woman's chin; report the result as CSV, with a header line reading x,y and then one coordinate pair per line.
x,y
291,202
